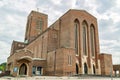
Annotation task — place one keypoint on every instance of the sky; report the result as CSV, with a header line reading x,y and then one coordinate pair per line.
x,y
13,18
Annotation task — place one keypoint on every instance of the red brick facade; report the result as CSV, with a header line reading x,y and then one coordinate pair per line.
x,y
106,64
68,47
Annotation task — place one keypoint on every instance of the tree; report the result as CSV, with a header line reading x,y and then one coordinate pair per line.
x,y
3,66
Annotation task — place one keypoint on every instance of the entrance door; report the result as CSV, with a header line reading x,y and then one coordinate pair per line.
x,y
77,69
85,68
93,69
23,69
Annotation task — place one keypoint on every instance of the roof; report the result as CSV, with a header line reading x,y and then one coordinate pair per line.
x,y
36,12
105,54
84,11
18,42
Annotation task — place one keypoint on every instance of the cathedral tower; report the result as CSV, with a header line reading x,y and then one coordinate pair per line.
x,y
36,24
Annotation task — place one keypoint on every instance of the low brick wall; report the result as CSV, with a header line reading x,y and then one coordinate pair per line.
x,y
6,73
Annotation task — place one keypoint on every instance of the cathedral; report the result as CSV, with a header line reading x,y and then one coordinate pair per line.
x,y
70,46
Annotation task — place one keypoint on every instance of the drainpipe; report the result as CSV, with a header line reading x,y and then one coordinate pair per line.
x,y
55,64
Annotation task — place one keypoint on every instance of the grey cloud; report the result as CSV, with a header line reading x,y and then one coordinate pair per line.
x,y
7,10
104,24
105,5
9,30
54,11
115,59
21,5
81,4
109,29
5,50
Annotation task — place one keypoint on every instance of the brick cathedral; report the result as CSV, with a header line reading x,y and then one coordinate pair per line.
x,y
70,46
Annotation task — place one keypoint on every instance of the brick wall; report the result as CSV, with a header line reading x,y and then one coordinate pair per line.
x,y
106,64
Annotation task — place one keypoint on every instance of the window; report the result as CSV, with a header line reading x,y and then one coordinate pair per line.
x,y
19,45
54,35
39,24
37,70
92,36
69,60
84,36
34,70
76,24
22,45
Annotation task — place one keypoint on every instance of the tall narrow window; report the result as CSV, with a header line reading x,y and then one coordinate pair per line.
x,y
84,36
69,60
76,35
39,24
34,70
92,35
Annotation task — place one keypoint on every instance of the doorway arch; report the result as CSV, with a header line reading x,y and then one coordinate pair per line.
x,y
93,69
85,69
23,69
77,69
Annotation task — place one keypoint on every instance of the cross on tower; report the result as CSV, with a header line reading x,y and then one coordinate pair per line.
x,y
37,9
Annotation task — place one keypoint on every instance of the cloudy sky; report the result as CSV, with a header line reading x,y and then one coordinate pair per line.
x,y
13,16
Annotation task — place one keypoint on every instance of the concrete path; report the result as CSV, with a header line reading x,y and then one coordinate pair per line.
x,y
57,78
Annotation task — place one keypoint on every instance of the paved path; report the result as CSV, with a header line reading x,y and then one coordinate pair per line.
x,y
57,78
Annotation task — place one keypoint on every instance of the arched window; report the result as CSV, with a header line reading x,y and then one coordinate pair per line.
x,y
84,37
76,24
92,36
